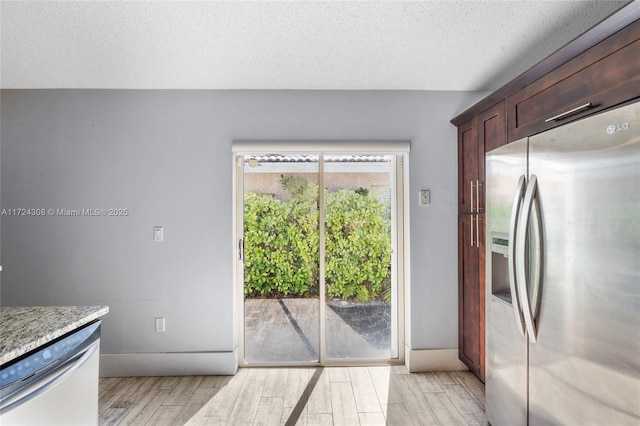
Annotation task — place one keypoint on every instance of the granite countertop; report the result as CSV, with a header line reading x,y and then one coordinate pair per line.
x,y
23,329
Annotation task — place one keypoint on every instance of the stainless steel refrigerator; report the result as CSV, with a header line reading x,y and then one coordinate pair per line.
x,y
563,275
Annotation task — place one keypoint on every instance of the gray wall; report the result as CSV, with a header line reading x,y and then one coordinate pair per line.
x,y
166,156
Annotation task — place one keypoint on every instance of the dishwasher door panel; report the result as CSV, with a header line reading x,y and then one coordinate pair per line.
x,y
73,401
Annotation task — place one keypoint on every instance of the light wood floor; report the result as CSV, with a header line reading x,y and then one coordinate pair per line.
x,y
365,396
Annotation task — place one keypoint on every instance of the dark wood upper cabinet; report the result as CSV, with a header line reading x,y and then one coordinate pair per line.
x,y
467,165
476,137
606,75
491,134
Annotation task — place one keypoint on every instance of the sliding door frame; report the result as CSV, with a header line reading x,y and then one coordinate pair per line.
x,y
399,236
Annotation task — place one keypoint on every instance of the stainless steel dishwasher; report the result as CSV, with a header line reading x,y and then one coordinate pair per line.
x,y
56,384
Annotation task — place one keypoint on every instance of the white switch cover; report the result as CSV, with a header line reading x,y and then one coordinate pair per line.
x,y
160,325
158,233
425,197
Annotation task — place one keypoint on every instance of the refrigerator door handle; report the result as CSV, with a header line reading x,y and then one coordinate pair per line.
x,y
530,197
537,249
513,225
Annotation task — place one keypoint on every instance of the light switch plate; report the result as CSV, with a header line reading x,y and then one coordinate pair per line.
x,y
425,197
158,233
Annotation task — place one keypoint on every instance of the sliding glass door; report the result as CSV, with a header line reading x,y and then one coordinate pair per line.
x,y
281,257
319,267
359,292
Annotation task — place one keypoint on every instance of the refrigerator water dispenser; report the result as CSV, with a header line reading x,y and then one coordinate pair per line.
x,y
500,266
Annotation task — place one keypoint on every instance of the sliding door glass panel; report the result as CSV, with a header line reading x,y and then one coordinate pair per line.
x,y
281,258
360,292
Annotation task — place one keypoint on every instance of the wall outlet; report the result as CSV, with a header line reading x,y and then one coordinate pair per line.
x,y
425,197
160,325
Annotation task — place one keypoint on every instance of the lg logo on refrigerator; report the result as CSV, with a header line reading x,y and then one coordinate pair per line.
x,y
617,128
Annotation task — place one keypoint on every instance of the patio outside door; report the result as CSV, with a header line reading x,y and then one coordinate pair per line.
x,y
281,257
318,268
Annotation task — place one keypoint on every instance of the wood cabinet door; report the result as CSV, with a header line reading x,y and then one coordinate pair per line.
x,y
469,292
483,133
492,133
467,165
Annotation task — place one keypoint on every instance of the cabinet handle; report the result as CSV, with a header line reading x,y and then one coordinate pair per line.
x,y
566,113
478,196
477,231
471,183
471,229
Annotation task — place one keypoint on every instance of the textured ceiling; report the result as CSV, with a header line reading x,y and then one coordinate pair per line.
x,y
426,45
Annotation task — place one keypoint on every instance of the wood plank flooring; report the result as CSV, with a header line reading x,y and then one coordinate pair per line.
x,y
366,396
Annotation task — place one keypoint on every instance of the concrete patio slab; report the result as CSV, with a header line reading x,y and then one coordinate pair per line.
x,y
288,331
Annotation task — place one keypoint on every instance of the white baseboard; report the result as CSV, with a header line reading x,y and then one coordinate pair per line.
x,y
425,360
226,363
169,364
